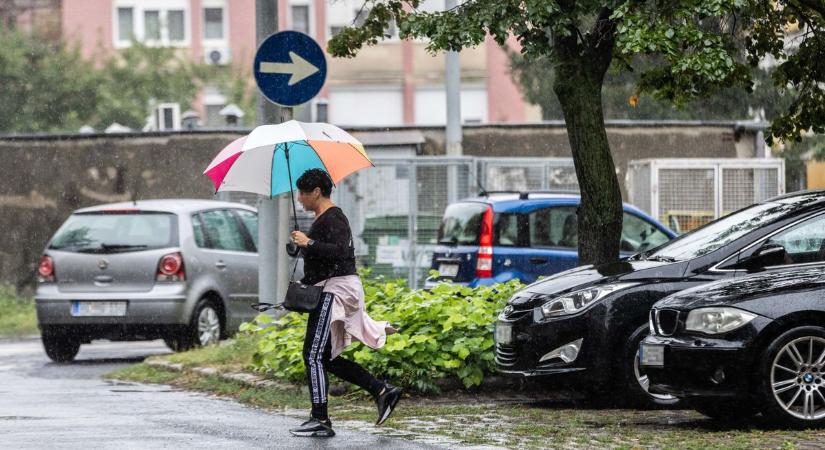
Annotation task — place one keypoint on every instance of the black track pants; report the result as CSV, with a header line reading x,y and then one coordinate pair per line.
x,y
317,349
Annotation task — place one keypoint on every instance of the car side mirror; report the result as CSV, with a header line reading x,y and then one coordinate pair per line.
x,y
768,255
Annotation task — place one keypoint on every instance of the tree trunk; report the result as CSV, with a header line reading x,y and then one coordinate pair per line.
x,y
578,87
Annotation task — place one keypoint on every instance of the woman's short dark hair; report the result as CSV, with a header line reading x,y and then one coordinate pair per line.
x,y
315,178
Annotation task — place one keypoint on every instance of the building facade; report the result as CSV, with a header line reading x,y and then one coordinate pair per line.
x,y
393,83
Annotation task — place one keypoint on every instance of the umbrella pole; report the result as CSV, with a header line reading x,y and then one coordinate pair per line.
x,y
291,193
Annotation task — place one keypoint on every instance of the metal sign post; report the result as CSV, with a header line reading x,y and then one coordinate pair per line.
x,y
290,68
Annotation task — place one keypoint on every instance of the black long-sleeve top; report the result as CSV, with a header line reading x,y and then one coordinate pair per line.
x,y
331,254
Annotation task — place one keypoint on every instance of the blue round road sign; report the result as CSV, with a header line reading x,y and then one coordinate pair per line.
x,y
290,68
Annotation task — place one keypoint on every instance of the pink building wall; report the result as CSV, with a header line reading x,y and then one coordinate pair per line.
x,y
90,24
504,100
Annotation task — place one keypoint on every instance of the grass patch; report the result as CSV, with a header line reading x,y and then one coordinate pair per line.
x,y
18,317
230,355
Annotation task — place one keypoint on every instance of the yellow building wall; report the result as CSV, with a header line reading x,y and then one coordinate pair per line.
x,y
816,174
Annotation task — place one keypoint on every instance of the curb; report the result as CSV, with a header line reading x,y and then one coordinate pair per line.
x,y
356,425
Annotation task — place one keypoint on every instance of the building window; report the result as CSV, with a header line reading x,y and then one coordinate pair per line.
x,y
175,23
213,19
300,18
125,21
151,25
155,22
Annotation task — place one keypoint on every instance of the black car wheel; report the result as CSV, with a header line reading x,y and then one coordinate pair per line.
x,y
60,347
635,379
791,378
204,328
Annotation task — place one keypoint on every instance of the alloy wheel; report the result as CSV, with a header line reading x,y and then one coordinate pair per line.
x,y
798,378
644,382
209,326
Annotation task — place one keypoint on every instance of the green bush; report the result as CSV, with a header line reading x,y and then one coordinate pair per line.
x,y
443,332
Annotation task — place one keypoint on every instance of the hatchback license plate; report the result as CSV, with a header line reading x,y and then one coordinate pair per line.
x,y
99,309
504,333
448,270
651,355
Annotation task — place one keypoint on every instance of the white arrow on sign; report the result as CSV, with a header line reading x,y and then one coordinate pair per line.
x,y
299,68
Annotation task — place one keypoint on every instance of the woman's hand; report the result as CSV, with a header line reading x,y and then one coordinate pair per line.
x,y
299,238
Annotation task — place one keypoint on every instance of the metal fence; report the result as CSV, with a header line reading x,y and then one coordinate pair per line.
x,y
687,193
395,208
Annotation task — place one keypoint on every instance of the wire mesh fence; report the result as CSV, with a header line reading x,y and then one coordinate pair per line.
x,y
688,193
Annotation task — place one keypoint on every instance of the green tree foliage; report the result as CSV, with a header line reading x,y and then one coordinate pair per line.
x,y
47,86
621,99
136,77
44,85
699,47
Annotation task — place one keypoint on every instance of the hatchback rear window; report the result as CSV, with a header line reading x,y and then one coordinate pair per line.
x,y
116,232
461,224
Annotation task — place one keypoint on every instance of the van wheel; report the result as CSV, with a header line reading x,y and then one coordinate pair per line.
x,y
791,378
60,347
636,383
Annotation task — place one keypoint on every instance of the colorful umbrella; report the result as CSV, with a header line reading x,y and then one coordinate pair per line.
x,y
271,158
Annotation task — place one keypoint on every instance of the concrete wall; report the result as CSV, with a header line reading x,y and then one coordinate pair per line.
x,y
45,178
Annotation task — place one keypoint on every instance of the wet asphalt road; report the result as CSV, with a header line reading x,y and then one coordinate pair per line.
x,y
48,405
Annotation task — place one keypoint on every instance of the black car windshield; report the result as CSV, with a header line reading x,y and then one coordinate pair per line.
x,y
462,223
115,232
721,232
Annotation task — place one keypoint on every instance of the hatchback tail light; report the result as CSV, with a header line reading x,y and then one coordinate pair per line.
x,y
484,266
45,270
170,268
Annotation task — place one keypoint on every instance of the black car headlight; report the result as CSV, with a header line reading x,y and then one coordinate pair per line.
x,y
576,301
717,320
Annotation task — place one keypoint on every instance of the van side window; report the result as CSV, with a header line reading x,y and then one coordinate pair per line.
x,y
554,227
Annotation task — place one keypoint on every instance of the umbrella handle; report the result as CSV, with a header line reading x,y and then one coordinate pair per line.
x,y
291,193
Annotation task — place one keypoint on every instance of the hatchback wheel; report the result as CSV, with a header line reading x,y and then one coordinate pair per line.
x,y
60,347
636,381
204,328
792,378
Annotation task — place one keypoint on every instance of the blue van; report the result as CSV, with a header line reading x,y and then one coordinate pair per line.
x,y
499,236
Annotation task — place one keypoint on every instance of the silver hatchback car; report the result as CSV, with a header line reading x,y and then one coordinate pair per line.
x,y
184,271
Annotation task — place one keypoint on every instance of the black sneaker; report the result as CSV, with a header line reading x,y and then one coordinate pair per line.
x,y
314,428
386,402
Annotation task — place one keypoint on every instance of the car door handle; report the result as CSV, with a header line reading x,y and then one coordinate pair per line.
x,y
538,260
104,278
220,265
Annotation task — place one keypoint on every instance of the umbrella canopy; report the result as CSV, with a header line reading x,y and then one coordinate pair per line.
x,y
257,163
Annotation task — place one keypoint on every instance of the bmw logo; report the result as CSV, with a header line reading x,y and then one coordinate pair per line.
x,y
808,378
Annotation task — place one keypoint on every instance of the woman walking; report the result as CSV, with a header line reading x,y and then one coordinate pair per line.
x,y
329,260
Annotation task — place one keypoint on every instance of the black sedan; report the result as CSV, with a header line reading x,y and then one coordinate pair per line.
x,y
588,322
737,347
